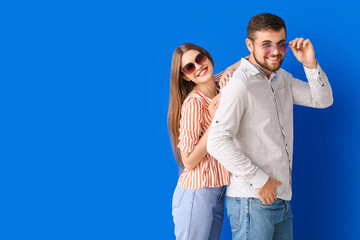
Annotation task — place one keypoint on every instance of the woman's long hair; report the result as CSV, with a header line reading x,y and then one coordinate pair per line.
x,y
179,89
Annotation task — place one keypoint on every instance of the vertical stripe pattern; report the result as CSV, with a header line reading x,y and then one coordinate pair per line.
x,y
195,119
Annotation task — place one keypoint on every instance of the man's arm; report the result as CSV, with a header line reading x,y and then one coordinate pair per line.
x,y
224,128
317,92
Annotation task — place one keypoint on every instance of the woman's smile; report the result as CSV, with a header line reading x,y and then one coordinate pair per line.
x,y
202,72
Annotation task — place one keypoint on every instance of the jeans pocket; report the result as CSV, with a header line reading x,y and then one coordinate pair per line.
x,y
233,211
177,197
259,202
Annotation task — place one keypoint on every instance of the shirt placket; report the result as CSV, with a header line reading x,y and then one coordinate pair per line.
x,y
281,125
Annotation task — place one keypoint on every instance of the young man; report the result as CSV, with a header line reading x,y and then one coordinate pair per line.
x,y
252,130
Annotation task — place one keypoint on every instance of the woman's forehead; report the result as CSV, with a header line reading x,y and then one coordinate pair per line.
x,y
189,56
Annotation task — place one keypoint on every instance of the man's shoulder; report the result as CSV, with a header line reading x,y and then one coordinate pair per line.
x,y
283,72
238,80
237,85
239,72
245,71
240,75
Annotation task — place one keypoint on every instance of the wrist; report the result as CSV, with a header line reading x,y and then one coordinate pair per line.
x,y
311,65
231,68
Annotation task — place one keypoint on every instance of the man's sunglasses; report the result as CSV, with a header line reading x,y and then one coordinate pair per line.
x,y
190,67
269,48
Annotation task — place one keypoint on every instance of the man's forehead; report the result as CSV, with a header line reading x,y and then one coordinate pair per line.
x,y
270,35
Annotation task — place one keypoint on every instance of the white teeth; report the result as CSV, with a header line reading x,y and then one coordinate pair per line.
x,y
202,72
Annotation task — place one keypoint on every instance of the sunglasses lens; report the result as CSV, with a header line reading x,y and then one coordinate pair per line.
x,y
284,48
267,49
188,68
200,58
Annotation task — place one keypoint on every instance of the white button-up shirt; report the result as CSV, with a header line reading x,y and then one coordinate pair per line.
x,y
252,131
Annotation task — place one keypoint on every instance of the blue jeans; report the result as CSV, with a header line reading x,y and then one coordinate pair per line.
x,y
252,220
198,213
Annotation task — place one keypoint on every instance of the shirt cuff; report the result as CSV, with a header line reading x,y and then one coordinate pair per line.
x,y
259,180
313,72
186,145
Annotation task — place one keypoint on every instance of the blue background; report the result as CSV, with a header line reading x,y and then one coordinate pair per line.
x,y
85,152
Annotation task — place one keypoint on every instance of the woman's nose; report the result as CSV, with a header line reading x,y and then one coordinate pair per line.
x,y
198,66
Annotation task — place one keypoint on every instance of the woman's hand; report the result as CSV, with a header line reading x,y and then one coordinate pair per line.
x,y
228,72
214,105
225,76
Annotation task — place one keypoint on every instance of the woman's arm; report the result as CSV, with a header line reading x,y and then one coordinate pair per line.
x,y
192,159
228,73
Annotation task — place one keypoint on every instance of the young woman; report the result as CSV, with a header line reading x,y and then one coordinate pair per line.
x,y
198,201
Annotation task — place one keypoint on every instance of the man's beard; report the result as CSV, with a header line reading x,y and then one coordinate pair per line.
x,y
266,66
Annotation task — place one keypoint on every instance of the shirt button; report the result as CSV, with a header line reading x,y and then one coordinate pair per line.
x,y
251,184
217,121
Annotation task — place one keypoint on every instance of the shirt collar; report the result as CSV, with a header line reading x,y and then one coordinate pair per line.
x,y
254,70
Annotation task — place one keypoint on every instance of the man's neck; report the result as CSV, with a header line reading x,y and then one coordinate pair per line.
x,y
253,62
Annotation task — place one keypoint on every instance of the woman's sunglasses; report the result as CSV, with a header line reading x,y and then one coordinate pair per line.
x,y
190,67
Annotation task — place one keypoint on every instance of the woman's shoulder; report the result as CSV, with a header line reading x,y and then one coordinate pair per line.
x,y
193,99
218,76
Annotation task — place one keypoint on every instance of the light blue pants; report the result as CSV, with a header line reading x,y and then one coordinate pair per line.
x,y
198,213
252,220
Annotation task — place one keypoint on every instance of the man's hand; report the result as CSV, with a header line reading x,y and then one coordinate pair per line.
x,y
304,52
267,193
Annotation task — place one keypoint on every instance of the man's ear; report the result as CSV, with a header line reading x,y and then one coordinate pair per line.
x,y
249,45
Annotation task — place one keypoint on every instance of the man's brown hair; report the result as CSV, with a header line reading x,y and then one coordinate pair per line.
x,y
264,21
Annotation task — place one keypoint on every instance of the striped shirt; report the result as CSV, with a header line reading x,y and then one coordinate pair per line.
x,y
195,119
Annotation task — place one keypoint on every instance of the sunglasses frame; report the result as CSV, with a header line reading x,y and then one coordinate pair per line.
x,y
271,48
203,59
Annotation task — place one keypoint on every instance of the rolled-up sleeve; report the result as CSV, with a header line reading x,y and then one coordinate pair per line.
x,y
192,113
